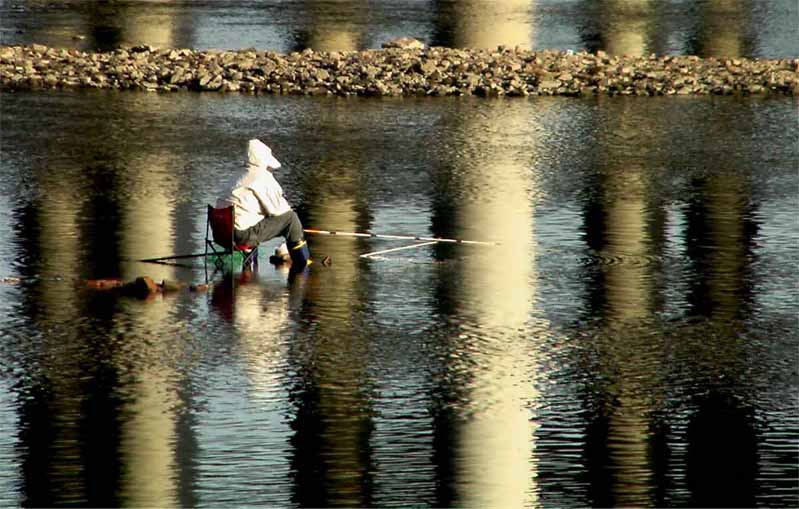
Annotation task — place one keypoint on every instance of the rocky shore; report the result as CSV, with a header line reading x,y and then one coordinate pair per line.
x,y
400,68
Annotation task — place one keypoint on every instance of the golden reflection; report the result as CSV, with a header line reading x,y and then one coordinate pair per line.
x,y
58,245
491,23
724,203
138,27
628,26
148,431
628,293
628,283
335,401
334,33
496,465
260,315
147,217
58,249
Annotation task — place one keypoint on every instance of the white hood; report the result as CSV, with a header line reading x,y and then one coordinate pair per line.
x,y
260,156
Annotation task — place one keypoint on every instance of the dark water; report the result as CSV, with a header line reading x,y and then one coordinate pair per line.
x,y
752,28
633,342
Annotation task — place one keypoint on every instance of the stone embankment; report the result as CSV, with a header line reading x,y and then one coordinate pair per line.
x,y
401,68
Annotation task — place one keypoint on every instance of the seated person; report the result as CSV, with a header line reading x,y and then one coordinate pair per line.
x,y
261,211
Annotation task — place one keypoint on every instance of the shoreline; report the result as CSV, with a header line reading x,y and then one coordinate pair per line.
x,y
401,68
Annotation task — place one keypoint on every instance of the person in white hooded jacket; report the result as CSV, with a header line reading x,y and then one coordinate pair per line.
x,y
261,211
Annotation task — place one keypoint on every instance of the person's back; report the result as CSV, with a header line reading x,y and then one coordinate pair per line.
x,y
261,211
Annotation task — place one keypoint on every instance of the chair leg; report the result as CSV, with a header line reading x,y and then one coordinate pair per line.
x,y
250,259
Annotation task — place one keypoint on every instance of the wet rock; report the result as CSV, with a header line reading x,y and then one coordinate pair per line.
x,y
404,68
104,284
403,43
142,287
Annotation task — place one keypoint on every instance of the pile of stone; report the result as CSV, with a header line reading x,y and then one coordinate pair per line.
x,y
401,68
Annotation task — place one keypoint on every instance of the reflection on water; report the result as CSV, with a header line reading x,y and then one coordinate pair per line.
x,y
721,28
493,430
485,24
631,342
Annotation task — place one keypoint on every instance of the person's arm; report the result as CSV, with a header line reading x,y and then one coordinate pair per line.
x,y
270,195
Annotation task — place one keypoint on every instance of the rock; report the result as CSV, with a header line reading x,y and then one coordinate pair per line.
x,y
142,287
7,54
402,70
550,84
178,77
104,284
321,75
403,43
425,68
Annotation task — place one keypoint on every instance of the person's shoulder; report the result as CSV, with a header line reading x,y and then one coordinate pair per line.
x,y
268,177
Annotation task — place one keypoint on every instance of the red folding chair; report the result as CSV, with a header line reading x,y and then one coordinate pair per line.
x,y
220,226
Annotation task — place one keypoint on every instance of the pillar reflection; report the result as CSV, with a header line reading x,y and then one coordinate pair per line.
x,y
721,232
722,456
722,29
103,26
147,216
332,25
331,461
148,433
489,422
621,27
101,422
623,224
484,23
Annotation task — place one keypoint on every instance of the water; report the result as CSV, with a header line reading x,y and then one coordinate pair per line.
x,y
633,341
758,28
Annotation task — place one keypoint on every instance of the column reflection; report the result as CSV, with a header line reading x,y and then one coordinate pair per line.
x,y
489,195
103,26
147,217
722,29
332,459
332,31
100,418
52,399
484,23
623,224
722,456
621,27
148,433
489,420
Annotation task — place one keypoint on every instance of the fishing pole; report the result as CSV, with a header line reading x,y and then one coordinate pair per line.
x,y
176,257
400,237
412,246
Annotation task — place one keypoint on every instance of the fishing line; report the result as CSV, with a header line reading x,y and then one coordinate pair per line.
x,y
400,237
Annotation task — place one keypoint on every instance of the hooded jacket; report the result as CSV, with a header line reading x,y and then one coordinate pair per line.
x,y
255,194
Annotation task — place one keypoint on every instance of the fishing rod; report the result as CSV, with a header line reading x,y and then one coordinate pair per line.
x,y
400,237
175,257
427,240
412,246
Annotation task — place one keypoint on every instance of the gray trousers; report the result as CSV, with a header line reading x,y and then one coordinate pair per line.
x,y
286,225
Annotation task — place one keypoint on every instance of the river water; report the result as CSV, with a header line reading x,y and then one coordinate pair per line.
x,y
632,342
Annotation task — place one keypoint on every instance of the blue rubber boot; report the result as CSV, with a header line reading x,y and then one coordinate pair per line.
x,y
300,255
